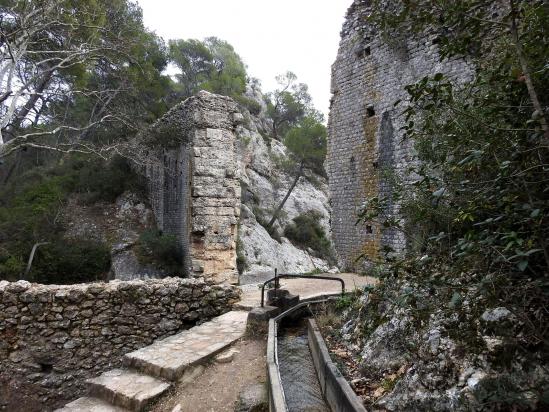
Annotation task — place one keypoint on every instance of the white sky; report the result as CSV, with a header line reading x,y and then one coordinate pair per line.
x,y
271,36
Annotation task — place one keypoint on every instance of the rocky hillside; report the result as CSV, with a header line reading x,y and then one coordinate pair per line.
x,y
264,184
119,225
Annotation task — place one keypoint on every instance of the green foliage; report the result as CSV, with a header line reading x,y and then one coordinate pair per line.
x,y
249,104
211,65
101,181
107,66
194,60
28,213
162,250
307,143
306,232
477,214
71,261
289,104
241,262
11,267
260,216
30,209
344,302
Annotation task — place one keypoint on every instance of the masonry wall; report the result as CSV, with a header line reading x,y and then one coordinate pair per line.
x,y
194,187
52,338
366,148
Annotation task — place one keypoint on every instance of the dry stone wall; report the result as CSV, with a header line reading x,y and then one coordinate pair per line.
x,y
366,148
194,187
54,337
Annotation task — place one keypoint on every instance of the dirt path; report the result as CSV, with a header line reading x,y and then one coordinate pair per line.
x,y
218,387
307,288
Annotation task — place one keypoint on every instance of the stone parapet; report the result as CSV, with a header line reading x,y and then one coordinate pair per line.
x,y
53,337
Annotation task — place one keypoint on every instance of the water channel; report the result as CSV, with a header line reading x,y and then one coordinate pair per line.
x,y
297,371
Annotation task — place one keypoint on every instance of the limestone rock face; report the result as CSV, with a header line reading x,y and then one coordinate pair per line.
x,y
118,224
213,176
444,359
264,184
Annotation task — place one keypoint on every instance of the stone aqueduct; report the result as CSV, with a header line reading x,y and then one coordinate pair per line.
x,y
193,178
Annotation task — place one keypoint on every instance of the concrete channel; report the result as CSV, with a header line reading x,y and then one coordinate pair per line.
x,y
301,375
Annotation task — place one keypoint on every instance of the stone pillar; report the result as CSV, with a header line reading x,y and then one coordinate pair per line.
x,y
194,185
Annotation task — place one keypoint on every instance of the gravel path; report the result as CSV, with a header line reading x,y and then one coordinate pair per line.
x,y
218,387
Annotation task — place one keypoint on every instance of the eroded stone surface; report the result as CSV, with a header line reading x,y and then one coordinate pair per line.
x,y
366,135
89,404
253,399
170,357
128,389
192,172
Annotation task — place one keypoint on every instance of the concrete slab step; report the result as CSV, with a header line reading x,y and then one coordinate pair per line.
x,y
127,389
88,404
168,358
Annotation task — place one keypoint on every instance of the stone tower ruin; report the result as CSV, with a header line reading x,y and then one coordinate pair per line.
x,y
365,143
192,173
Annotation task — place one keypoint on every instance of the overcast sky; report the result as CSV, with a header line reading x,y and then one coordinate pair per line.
x,y
271,36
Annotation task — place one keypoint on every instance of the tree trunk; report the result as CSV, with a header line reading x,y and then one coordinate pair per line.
x,y
31,258
275,130
526,72
281,205
11,169
29,105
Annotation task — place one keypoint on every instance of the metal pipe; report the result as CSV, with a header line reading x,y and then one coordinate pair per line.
x,y
277,278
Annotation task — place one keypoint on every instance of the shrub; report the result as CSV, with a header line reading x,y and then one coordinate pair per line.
x,y
11,266
241,262
253,106
29,213
263,221
71,261
100,181
306,232
161,250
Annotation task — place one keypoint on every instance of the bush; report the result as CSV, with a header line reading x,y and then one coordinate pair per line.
x,y
30,207
11,266
71,261
306,233
241,262
161,250
105,181
264,221
253,106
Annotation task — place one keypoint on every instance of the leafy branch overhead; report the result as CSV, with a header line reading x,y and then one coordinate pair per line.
x,y
70,69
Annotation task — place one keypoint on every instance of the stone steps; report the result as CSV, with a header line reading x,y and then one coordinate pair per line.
x,y
151,370
88,404
127,389
170,357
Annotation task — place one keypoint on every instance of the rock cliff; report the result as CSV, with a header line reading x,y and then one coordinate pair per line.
x,y
264,184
